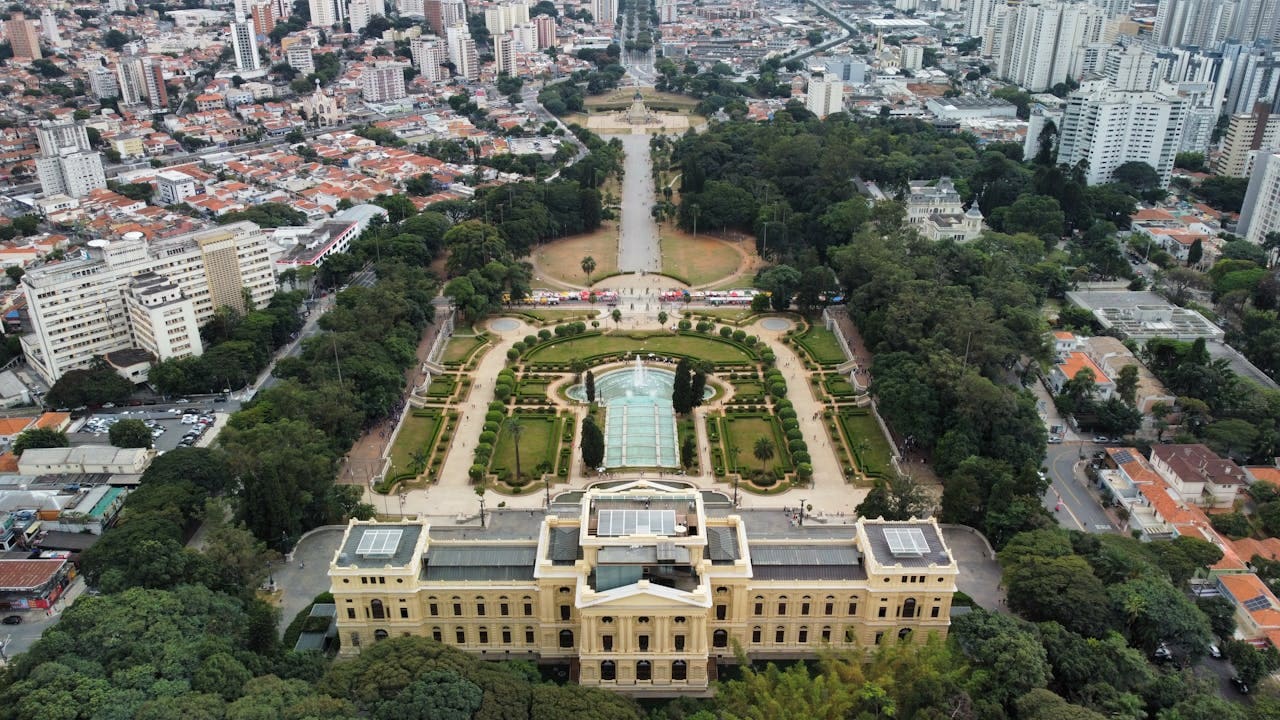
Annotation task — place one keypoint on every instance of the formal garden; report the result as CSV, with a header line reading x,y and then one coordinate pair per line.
x,y
419,448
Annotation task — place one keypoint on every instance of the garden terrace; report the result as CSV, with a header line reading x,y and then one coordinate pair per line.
x,y
596,348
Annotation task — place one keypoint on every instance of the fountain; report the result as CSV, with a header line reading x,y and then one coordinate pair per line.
x,y
640,378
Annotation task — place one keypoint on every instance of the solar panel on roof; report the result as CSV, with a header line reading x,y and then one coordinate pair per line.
x,y
379,542
1122,457
618,523
1259,603
906,542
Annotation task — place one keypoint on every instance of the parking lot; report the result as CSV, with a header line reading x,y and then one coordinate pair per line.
x,y
171,428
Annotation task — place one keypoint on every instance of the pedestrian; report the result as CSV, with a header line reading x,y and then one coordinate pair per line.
x,y
302,565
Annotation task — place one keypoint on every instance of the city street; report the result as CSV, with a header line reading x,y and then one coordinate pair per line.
x,y
638,247
1068,489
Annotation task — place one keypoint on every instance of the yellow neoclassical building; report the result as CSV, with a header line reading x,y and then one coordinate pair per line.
x,y
640,588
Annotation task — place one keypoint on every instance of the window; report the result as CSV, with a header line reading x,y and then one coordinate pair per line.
x,y
879,637
606,620
564,612
904,634
528,636
351,613
755,635
566,639
826,634
484,636
909,608
722,612
933,611
884,611
719,638
565,591
643,641
461,634
457,609
376,607
853,607
506,636
679,670
680,620
780,635
433,610
504,609
803,635
829,607
528,607
355,639
606,642
437,635
479,609
608,670
804,608
404,613
644,670
759,609
679,643
782,605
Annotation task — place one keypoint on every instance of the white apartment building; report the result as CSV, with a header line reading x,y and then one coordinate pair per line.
x,y
1042,43
604,12
504,54
1247,133
1109,128
825,96
80,309
49,27
912,57
525,36
359,12
411,8
382,81
1260,213
325,13
174,186
245,46
500,18
67,164
1133,68
102,83
300,58
462,51
1200,23
429,54
162,318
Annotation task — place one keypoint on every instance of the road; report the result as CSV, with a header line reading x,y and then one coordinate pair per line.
x,y
530,95
638,247
1069,497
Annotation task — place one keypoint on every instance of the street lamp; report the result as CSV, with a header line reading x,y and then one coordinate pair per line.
x,y
802,502
735,490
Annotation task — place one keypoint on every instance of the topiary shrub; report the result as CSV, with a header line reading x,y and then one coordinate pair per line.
x,y
764,479
488,437
684,324
502,392
739,335
786,413
726,332
804,470
513,353
530,340
476,473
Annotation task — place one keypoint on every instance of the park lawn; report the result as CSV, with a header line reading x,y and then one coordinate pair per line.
x,y
823,346
726,314
460,348
624,96
536,389
416,433
839,386
704,348
867,442
747,387
559,315
539,442
561,260
698,261
441,386
742,432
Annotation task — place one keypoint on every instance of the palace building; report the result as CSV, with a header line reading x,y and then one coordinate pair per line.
x,y
643,588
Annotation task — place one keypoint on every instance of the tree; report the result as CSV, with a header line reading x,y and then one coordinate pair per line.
x,y
682,389
130,433
662,315
617,316
697,387
206,468
688,453
897,497
39,438
763,451
15,272
1195,253
1062,589
781,281
588,267
1006,651
442,694
238,562
592,444
514,427
94,386
1127,383
591,386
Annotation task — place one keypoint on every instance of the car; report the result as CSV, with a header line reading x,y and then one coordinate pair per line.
x,y
1214,650
1055,440
1162,653
182,400
1101,439
108,406
12,620
1240,684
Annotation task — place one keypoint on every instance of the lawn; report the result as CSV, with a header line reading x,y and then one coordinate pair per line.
x,y
460,348
624,95
561,260
742,432
558,315
839,386
867,442
729,315
823,346
416,434
533,389
441,386
698,261
742,388
592,345
539,442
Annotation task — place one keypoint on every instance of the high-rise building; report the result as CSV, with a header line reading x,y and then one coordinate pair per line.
x,y
981,15
1203,111
141,79
1247,133
244,44
1201,23
326,13
1042,42
49,27
525,36
912,57
1113,8
604,12
1260,213
264,17
462,51
443,13
906,5
825,96
299,56
644,589
358,14
102,83
80,309
382,81
162,319
1255,78
411,8
1256,20
950,5
23,39
501,17
429,54
1108,128
67,165
504,55
546,26
1133,68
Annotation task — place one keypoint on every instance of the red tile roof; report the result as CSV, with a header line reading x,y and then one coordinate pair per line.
x,y
18,575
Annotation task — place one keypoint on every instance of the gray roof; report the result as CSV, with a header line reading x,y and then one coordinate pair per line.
x,y
806,562
564,546
722,544
643,554
809,572
400,557
479,562
878,545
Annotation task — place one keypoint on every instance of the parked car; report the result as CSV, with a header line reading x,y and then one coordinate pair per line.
x,y
1055,440
1240,684
1214,650
1101,439
12,620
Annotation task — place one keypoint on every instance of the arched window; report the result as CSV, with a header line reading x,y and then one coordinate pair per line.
x,y
780,634
379,635
566,638
437,634
720,638
804,605
644,670
376,607
759,605
904,634
826,633
829,605
803,635
679,670
608,670
782,605
756,634
909,608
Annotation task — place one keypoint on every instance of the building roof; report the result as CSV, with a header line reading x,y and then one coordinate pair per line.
x,y
454,563
380,545
906,544
14,425
1250,593
27,575
1077,361
1195,462
1265,473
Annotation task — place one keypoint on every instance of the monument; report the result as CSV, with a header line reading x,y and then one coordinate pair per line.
x,y
638,114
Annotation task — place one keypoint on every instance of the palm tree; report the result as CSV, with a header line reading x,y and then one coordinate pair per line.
x,y
588,267
662,319
515,428
617,316
763,451
1271,243
419,461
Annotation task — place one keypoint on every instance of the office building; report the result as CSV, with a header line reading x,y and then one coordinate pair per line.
x,y
67,165
162,319
49,28
1247,133
853,72
825,96
102,83
22,37
382,81
1260,213
504,55
1041,43
462,51
299,56
327,13
1108,128
245,46
80,310
643,589
429,54
546,26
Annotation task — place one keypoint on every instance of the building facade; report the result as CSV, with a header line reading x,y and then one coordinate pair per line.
x,y
429,54
462,50
1260,213
1247,133
643,590
23,39
326,13
1042,43
79,309
244,44
1108,128
825,96
67,165
504,54
382,82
